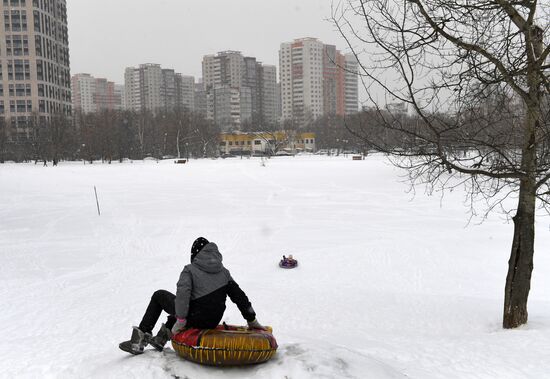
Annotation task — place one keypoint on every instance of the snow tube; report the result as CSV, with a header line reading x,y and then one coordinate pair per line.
x,y
288,263
227,345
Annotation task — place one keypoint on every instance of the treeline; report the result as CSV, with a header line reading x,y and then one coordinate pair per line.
x,y
109,136
117,135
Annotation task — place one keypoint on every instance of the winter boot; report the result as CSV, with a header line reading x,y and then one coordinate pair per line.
x,y
137,342
164,335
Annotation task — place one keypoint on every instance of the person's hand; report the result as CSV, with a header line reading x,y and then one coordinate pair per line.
x,y
179,326
256,325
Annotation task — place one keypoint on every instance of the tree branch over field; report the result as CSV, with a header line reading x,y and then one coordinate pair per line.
x,y
475,76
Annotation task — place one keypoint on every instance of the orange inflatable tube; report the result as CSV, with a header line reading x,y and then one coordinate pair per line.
x,y
227,345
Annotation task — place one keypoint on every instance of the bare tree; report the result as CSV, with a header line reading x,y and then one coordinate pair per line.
x,y
207,135
477,78
58,129
38,135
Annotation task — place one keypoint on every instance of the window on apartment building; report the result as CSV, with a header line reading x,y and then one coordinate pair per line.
x,y
36,18
2,107
38,45
16,21
24,21
9,46
257,142
10,70
7,25
19,90
230,143
21,106
39,70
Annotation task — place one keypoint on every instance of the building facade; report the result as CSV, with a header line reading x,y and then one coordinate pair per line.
x,y
34,62
150,87
239,89
91,94
132,89
269,98
185,91
266,143
315,80
351,87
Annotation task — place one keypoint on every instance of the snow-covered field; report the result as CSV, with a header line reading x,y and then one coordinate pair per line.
x,y
388,287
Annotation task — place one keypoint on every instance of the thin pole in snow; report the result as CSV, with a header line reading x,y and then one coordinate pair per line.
x,y
97,202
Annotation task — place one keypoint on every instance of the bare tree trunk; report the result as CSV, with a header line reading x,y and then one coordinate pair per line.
x,y
520,265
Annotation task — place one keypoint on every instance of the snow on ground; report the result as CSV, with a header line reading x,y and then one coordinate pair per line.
x,y
388,287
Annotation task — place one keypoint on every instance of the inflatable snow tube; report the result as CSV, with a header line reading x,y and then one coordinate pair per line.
x,y
227,345
288,264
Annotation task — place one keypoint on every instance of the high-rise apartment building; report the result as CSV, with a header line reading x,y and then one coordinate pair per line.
x,y
201,103
351,86
34,62
168,89
132,89
150,87
224,68
120,93
185,91
151,83
95,94
239,89
269,94
315,80
143,87
83,89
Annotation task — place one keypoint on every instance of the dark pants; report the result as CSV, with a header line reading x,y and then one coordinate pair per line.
x,y
160,301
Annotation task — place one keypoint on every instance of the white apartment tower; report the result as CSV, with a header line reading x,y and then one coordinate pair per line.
x,y
269,101
132,89
143,87
120,93
150,87
95,94
83,88
351,84
224,68
314,81
151,81
239,89
34,62
185,91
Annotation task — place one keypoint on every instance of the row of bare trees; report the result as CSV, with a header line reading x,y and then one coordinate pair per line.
x,y
52,139
110,135
117,135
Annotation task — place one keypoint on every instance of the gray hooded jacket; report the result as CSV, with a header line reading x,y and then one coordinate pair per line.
x,y
202,290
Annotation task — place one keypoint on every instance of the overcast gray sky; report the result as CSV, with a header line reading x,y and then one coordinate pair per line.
x,y
108,35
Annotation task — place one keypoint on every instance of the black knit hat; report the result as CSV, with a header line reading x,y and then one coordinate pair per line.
x,y
197,246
